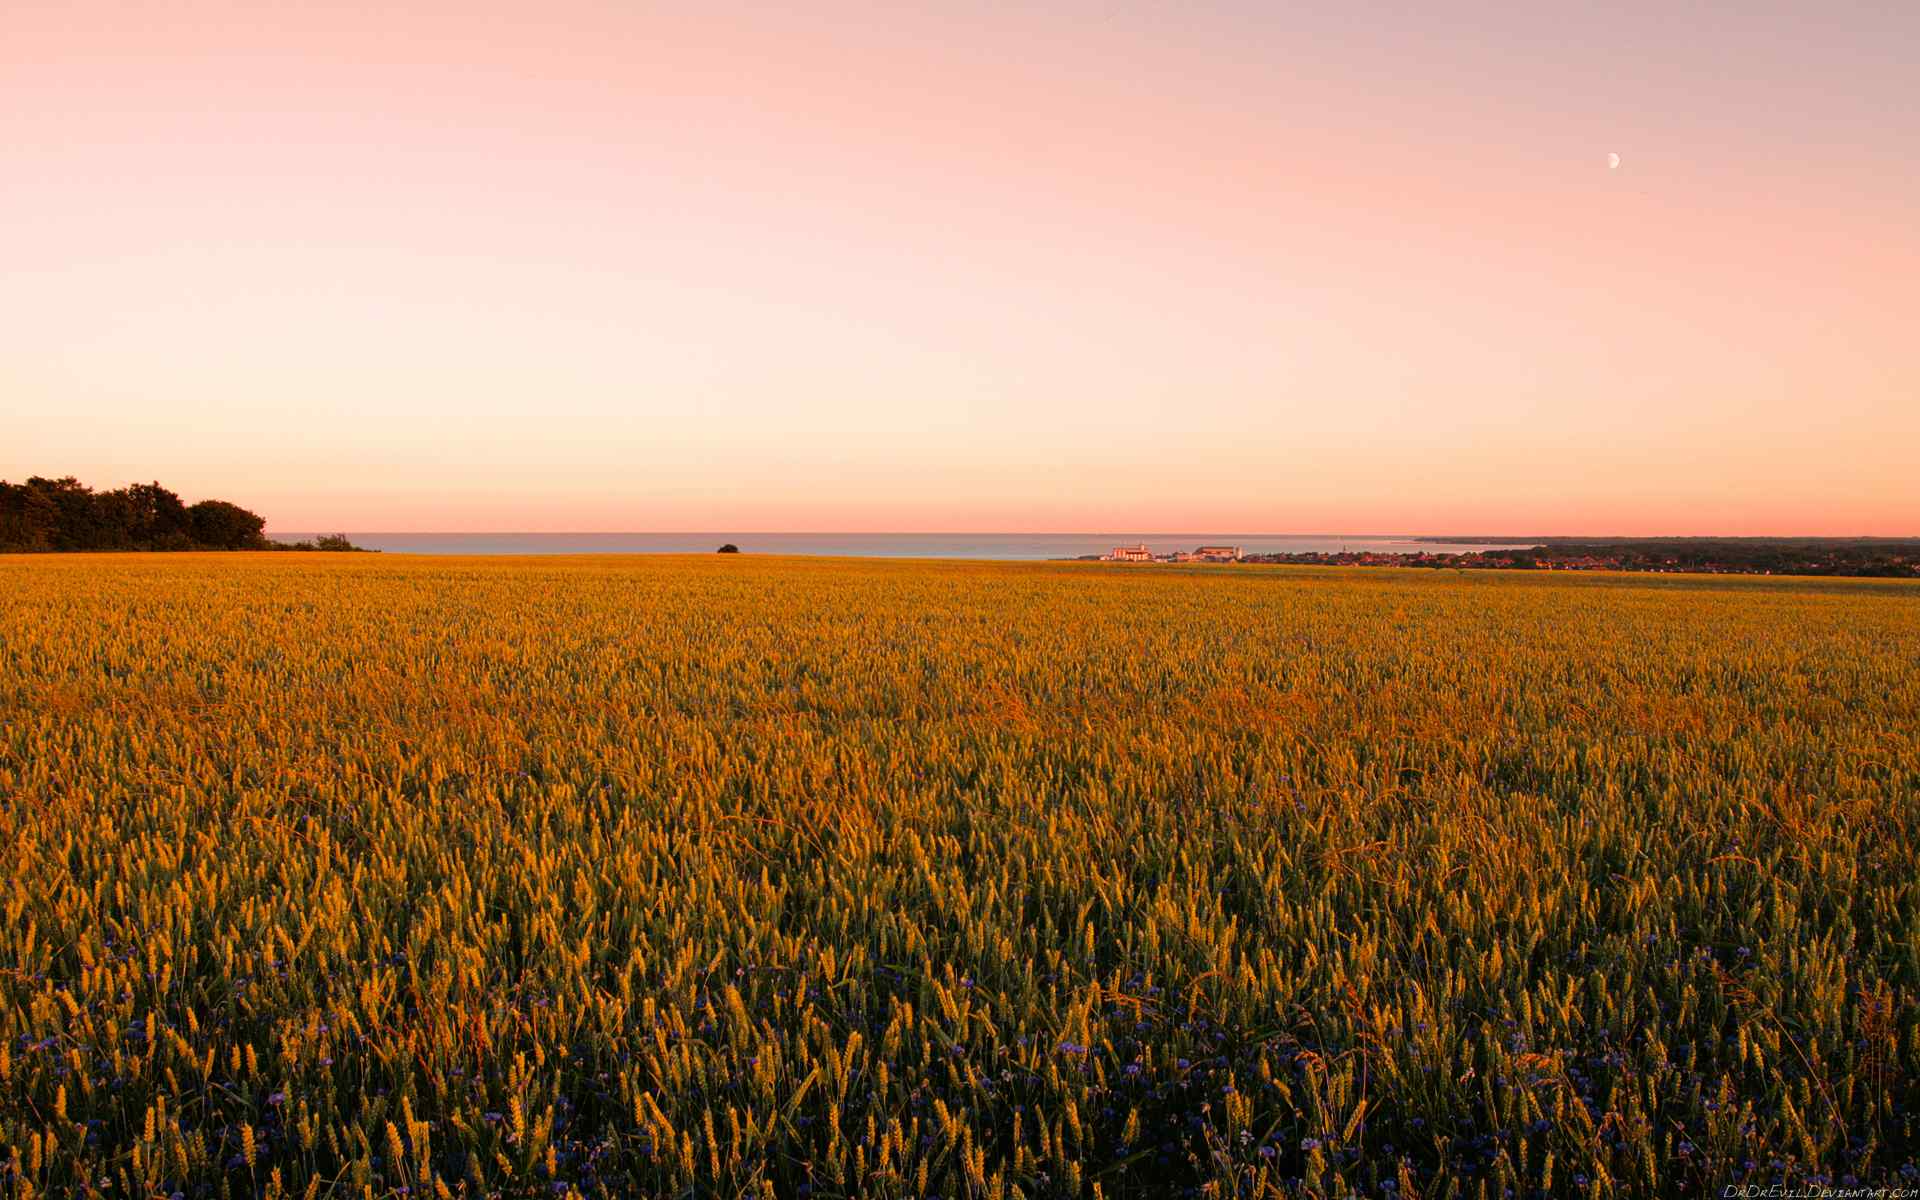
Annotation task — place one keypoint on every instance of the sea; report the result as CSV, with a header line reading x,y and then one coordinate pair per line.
x,y
1005,546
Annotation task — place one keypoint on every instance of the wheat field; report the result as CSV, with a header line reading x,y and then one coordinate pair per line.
x,y
727,876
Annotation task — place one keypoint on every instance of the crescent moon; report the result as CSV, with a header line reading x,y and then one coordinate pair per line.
x,y
1613,162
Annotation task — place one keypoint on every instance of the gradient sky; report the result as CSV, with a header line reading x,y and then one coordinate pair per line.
x,y
1073,266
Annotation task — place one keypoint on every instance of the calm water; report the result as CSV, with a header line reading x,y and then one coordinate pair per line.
x,y
869,545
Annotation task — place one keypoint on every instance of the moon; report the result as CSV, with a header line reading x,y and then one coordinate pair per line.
x,y
1613,162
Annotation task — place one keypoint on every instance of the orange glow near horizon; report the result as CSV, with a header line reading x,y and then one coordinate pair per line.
x,y
1231,267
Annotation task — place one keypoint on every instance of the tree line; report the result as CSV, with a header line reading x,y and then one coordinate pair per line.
x,y
53,515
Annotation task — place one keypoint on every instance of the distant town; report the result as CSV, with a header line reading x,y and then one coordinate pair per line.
x,y
1141,553
1866,557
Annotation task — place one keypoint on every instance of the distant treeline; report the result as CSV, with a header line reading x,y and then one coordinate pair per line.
x,y
1883,557
1892,558
53,515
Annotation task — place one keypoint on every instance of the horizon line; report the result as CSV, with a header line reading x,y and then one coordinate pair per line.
x,y
1460,537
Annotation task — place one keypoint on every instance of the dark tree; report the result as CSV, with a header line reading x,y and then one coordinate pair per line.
x,y
729,548
155,517
29,518
78,523
219,525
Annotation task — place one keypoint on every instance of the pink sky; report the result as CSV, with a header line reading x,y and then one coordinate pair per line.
x,y
1243,267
